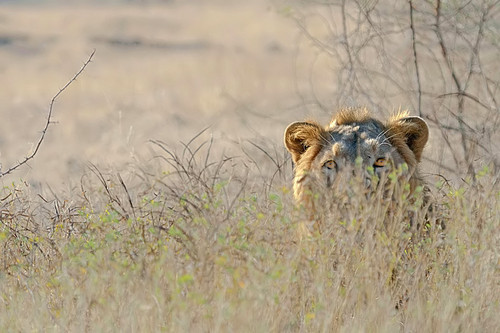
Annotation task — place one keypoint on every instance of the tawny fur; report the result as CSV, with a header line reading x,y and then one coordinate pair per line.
x,y
307,140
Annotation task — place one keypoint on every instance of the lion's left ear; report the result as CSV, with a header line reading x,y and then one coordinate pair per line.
x,y
301,135
414,131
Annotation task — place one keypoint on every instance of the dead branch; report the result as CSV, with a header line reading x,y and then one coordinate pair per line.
x,y
49,119
449,61
472,97
460,88
415,59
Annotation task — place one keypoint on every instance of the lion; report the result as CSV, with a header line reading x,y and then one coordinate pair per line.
x,y
354,140
355,146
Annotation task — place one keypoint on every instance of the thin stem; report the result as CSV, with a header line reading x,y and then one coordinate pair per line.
x,y
49,118
415,59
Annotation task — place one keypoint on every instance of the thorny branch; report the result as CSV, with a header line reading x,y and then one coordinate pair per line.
x,y
49,119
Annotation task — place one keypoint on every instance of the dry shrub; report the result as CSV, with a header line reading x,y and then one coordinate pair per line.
x,y
436,58
193,243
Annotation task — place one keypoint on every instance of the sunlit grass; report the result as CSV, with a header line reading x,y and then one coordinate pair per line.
x,y
197,245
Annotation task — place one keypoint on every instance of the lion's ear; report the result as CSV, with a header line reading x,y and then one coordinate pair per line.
x,y
299,136
414,131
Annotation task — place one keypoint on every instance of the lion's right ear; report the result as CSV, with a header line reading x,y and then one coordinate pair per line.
x,y
413,130
301,135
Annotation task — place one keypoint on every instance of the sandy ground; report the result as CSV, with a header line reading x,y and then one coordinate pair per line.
x,y
160,72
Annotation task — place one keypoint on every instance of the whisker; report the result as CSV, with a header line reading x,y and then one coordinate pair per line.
x,y
383,133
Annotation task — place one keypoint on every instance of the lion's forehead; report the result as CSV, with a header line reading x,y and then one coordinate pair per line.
x,y
353,139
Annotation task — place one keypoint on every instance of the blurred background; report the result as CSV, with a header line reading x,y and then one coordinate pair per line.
x,y
166,70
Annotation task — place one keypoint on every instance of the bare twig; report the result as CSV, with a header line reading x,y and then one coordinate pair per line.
x,y
444,135
49,119
415,59
464,94
450,63
460,88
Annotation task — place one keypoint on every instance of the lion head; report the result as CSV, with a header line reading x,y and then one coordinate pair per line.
x,y
354,140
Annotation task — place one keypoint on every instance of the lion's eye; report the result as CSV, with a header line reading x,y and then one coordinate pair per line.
x,y
330,165
380,163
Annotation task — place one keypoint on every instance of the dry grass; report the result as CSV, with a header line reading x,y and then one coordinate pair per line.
x,y
201,245
202,236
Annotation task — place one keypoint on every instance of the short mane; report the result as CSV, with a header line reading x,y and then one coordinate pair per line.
x,y
351,115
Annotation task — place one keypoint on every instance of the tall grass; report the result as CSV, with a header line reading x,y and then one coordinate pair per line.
x,y
197,243
191,241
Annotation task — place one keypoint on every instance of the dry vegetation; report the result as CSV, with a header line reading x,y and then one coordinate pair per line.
x,y
198,239
203,246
